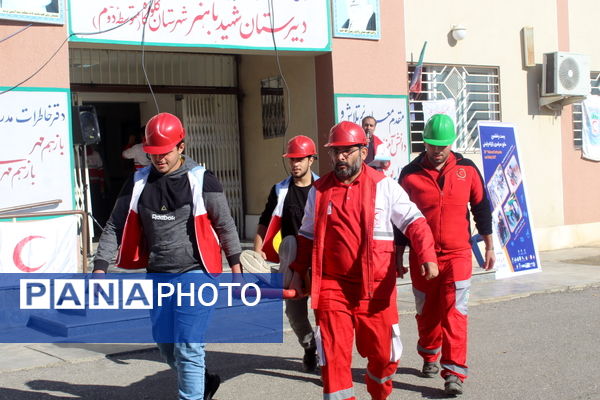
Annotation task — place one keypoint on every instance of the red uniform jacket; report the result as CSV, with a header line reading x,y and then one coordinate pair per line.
x,y
444,201
378,257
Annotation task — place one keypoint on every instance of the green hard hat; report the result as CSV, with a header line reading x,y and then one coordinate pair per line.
x,y
439,131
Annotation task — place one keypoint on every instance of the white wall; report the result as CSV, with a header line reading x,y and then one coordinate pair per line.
x,y
584,17
262,159
494,39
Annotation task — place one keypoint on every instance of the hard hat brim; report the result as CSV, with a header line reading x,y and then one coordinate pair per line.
x,y
434,142
296,155
339,144
159,149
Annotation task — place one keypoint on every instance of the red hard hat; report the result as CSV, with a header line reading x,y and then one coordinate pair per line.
x,y
163,132
300,146
346,133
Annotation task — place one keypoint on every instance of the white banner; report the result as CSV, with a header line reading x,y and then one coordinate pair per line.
x,y
50,246
390,112
296,25
35,155
590,128
447,106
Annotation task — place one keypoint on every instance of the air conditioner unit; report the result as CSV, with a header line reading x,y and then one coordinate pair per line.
x,y
566,74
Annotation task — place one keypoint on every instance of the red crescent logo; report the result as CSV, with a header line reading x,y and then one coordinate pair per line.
x,y
17,254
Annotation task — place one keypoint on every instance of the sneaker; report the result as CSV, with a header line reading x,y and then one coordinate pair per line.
x,y
453,385
430,369
211,384
253,263
309,361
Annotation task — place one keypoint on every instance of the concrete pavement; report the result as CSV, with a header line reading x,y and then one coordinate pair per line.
x,y
562,270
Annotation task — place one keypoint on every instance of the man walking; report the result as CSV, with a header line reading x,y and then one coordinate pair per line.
x,y
442,184
167,220
347,238
281,219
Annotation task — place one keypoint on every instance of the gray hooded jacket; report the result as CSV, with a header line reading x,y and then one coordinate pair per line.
x,y
166,214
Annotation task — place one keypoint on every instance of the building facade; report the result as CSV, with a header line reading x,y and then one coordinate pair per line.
x,y
246,77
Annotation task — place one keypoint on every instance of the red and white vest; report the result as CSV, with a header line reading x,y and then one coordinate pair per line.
x,y
274,228
133,254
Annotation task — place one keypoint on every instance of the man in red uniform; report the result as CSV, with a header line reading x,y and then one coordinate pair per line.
x,y
442,184
347,238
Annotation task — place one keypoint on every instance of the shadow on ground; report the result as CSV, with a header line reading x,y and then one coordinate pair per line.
x,y
163,384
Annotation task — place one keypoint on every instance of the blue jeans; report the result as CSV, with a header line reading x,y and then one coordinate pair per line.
x,y
187,359
178,324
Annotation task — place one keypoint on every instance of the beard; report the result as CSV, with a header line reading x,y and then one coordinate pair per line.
x,y
299,174
349,171
437,159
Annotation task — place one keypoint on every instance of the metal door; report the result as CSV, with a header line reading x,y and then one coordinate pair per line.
x,y
212,139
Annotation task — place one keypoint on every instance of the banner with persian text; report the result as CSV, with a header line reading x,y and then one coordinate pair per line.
x,y
248,24
36,156
391,132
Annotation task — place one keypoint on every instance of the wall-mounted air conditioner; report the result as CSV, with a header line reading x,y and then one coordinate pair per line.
x,y
565,74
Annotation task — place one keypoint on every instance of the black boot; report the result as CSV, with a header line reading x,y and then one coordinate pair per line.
x,y
309,361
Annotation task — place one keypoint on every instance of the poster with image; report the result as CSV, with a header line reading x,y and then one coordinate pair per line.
x,y
500,227
512,212
505,181
42,11
358,19
513,174
497,188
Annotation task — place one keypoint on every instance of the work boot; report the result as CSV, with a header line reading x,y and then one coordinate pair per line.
x,y
430,369
453,385
309,361
211,384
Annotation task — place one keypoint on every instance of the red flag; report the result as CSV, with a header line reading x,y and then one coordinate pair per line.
x,y
415,81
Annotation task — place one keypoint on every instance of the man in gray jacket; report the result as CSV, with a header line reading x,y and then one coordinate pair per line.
x,y
165,220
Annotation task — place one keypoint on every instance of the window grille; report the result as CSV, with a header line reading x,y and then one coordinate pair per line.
x,y
476,91
577,112
273,114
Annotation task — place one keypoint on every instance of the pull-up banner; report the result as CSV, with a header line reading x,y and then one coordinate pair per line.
x,y
505,184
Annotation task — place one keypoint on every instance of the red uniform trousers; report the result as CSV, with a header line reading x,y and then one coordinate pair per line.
x,y
339,318
442,311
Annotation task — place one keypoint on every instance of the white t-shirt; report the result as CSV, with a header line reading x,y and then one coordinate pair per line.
x,y
137,154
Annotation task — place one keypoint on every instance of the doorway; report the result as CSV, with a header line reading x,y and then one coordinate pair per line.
x,y
119,124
